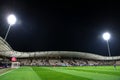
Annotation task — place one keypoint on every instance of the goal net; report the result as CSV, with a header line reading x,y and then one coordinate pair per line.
x,y
15,64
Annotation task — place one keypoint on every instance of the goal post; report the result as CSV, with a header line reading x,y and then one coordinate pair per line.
x,y
15,64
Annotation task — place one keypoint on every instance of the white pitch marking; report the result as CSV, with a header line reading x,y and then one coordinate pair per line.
x,y
7,72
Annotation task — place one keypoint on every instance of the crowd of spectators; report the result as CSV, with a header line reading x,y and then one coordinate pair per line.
x,y
62,62
58,62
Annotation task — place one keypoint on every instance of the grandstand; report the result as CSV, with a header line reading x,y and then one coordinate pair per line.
x,y
53,58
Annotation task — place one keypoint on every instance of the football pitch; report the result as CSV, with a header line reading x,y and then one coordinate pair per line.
x,y
63,73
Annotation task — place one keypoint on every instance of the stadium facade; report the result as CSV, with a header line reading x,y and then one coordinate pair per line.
x,y
55,57
7,51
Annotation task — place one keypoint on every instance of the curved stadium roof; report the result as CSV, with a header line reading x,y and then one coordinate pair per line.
x,y
6,50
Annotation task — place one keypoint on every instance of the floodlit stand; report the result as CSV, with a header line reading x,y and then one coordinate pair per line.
x,y
15,64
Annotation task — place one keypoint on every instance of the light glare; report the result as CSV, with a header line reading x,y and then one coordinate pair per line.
x,y
106,36
11,19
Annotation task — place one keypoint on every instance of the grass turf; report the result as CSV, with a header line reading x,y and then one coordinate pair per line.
x,y
63,73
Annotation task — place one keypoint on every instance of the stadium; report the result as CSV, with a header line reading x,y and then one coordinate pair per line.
x,y
52,65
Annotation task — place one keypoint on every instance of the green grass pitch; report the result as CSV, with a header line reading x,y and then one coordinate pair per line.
x,y
63,73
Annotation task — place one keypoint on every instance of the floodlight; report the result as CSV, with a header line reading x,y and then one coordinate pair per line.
x,y
11,19
106,36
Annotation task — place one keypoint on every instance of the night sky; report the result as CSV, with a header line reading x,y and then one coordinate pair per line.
x,y
62,26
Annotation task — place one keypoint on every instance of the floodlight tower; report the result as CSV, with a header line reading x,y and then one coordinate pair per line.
x,y
107,36
11,19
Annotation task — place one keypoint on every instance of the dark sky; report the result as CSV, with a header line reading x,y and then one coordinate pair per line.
x,y
61,26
